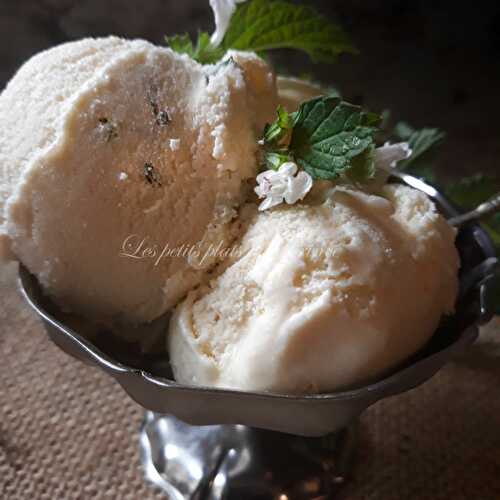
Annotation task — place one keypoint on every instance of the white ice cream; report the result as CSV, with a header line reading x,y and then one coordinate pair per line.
x,y
111,147
321,296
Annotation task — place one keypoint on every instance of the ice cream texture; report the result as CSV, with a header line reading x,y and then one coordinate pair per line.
x,y
114,153
320,296
117,157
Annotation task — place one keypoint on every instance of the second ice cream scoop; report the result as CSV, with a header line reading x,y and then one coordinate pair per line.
x,y
320,296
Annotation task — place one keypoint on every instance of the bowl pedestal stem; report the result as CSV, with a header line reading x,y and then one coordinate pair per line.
x,y
237,462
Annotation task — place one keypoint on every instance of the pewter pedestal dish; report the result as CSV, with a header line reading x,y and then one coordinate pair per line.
x,y
206,443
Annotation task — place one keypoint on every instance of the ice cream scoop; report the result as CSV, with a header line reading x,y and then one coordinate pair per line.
x,y
119,162
320,296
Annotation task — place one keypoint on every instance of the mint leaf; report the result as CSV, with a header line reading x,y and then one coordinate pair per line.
x,y
326,137
329,134
261,25
181,44
421,142
277,130
470,192
274,159
403,131
363,166
203,52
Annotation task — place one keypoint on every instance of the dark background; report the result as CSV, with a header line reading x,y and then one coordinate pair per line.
x,y
433,63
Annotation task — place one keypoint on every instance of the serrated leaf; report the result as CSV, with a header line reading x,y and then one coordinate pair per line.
x,y
363,166
274,159
469,192
203,52
421,142
403,131
275,131
181,44
329,134
261,25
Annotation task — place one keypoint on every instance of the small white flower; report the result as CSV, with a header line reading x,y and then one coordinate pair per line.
x,y
223,10
387,156
283,184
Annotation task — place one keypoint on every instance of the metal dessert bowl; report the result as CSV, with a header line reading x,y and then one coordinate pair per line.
x,y
148,379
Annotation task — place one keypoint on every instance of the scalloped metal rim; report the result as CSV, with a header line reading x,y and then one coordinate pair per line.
x,y
105,362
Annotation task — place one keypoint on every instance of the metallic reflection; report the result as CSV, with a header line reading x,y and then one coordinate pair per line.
x,y
234,461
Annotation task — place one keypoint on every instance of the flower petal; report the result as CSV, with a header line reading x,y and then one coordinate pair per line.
x,y
299,187
288,168
276,186
269,202
388,155
279,188
261,177
267,176
265,182
304,181
223,10
261,191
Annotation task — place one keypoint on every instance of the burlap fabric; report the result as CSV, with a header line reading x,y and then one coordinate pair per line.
x,y
67,431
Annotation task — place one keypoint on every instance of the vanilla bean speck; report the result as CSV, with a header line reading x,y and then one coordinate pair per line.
x,y
162,117
108,129
151,175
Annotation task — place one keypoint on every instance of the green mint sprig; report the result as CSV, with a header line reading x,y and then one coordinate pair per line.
x,y
331,136
470,192
327,137
263,25
275,132
422,143
203,51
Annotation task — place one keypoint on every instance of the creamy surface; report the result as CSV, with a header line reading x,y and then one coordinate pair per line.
x,y
321,296
111,147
